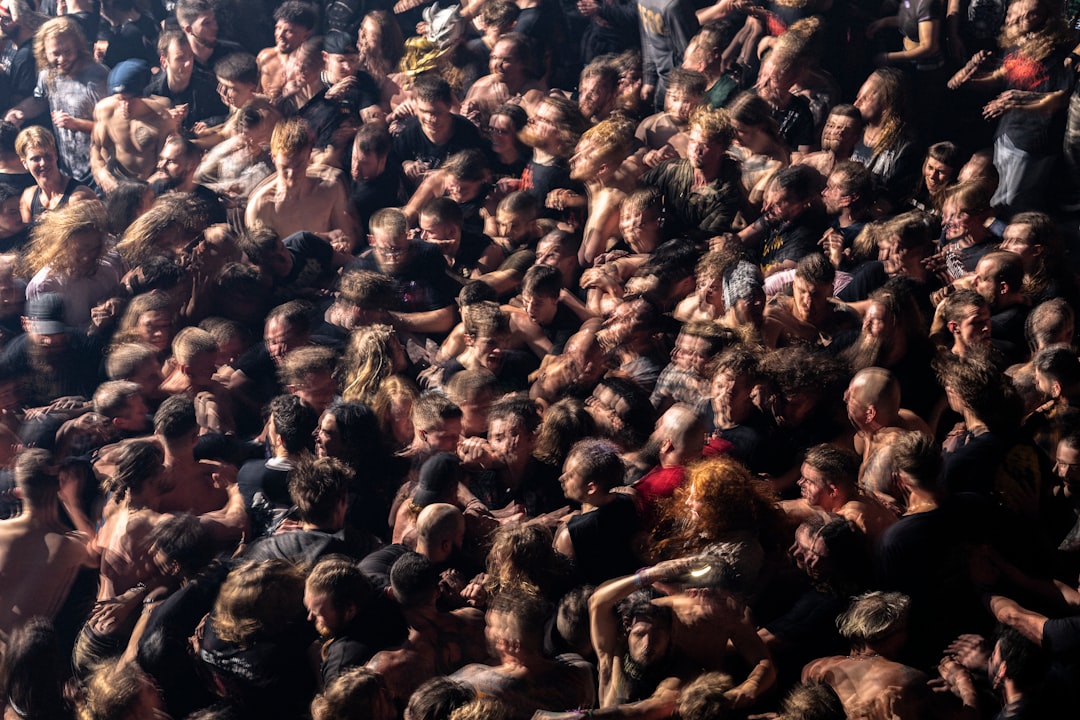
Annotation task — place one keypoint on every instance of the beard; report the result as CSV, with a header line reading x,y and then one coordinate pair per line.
x,y
868,351
532,138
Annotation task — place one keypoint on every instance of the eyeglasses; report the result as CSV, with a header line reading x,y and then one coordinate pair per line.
x,y
391,252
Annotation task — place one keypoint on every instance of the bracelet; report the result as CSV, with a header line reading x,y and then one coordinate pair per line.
x,y
641,578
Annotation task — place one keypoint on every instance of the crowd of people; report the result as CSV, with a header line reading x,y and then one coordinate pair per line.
x,y
537,359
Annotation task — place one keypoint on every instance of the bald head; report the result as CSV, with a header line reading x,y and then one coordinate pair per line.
x,y
873,395
680,433
440,529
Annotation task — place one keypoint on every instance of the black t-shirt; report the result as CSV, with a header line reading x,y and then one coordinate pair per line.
x,y
539,180
796,123
792,241
539,491
16,241
222,50
602,540
201,97
387,190
423,285
313,265
472,248
132,40
412,144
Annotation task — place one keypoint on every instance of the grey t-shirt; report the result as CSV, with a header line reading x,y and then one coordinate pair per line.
x,y
76,95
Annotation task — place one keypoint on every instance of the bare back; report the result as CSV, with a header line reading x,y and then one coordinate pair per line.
x,y
873,687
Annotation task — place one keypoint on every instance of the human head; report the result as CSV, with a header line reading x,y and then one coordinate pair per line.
x,y
198,21
965,210
334,593
373,354
778,73
599,83
711,133
736,372
440,529
849,185
512,425
999,277
516,622
706,698
195,351
182,546
137,464
371,148
842,131
621,411
555,126
437,422
414,581
1067,465
358,691
751,116
70,240
941,166
1017,658
237,77
1050,323
437,698
602,148
829,476
812,288
60,46
1034,236
793,191
308,372
175,56
36,478
293,423
319,489
389,241
685,90
593,467
1057,372
875,620
175,420
918,460
121,402
812,701
120,690
647,627
967,318
288,326
294,23
872,398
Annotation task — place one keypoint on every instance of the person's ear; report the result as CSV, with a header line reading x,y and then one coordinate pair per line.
x,y
953,326
350,612
470,340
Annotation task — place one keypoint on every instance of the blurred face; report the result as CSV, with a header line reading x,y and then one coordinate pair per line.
x,y
204,29
840,132
201,370
985,283
732,392
813,486
328,437
369,38
502,132
327,619
489,350
751,310
774,84
10,217
510,439
782,206
291,167
174,165
179,62
542,128
148,377
690,353
807,551
435,120
87,246
234,93
1020,239
584,163
281,337
833,195
869,101
505,64
856,408
401,419
339,66
367,166
444,235
695,58
648,642
704,152
445,437
574,485
594,98
810,300
155,328
317,389
40,162
1067,469
877,322
391,252
640,228
514,228
541,309
678,104
974,327
462,191
288,37
606,409
1023,17
136,417
937,174
62,53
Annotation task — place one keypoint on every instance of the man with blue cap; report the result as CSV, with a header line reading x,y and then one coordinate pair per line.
x,y
129,129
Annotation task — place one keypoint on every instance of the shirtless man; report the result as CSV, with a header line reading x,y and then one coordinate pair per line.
x,y
439,642
869,682
829,484
873,407
39,556
509,81
525,679
842,132
648,645
297,199
129,130
599,153
811,314
295,21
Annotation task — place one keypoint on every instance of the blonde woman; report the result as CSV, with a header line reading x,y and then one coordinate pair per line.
x,y
373,355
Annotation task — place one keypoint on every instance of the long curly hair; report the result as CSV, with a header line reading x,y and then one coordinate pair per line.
x,y
369,359
51,241
258,600
727,498
894,99
149,235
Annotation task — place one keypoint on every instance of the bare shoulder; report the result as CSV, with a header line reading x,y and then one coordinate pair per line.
x,y
820,668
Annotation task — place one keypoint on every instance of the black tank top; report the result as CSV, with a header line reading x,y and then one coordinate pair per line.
x,y
36,206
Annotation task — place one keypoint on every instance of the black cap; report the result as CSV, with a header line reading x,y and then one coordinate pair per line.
x,y
439,475
338,43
